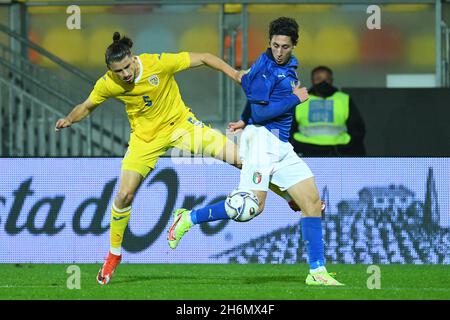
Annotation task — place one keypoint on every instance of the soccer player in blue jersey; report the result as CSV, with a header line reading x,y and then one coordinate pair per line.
x,y
273,91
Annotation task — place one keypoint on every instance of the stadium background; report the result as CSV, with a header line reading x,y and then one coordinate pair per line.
x,y
398,212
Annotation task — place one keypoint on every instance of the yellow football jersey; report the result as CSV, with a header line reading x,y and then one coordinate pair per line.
x,y
153,102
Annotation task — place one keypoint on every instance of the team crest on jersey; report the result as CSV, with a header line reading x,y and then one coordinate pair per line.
x,y
154,80
257,177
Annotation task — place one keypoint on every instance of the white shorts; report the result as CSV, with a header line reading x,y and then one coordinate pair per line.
x,y
265,159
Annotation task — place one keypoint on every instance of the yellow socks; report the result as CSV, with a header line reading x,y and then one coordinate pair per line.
x,y
119,222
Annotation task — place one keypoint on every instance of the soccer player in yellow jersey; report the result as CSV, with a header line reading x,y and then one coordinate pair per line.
x,y
159,120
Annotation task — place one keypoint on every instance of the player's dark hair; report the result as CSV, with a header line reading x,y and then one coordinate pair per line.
x,y
119,49
284,26
321,68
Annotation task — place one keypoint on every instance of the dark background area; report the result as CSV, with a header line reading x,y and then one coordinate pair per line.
x,y
405,122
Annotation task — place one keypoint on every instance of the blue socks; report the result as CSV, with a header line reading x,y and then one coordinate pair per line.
x,y
212,212
312,235
311,230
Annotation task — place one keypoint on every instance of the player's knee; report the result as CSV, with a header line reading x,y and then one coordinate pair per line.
x,y
124,199
312,207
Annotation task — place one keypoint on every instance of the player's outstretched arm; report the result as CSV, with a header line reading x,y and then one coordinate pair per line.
x,y
212,61
77,114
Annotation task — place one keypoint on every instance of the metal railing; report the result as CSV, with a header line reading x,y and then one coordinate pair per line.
x,y
445,34
27,127
67,87
109,132
61,92
31,45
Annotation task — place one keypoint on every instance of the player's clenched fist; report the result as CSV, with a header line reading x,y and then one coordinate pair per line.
x,y
236,126
301,93
62,123
240,74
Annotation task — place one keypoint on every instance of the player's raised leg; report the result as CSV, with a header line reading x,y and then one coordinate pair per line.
x,y
305,193
230,154
120,215
184,219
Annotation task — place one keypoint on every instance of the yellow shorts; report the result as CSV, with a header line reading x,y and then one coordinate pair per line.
x,y
189,135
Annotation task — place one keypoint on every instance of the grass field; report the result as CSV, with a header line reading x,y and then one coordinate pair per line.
x,y
217,282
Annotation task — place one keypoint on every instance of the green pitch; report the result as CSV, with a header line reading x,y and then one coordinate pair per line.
x,y
231,282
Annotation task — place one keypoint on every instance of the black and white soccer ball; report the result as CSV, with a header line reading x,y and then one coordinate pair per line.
x,y
242,205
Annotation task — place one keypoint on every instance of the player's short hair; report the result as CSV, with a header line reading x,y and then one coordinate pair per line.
x,y
322,68
285,27
119,49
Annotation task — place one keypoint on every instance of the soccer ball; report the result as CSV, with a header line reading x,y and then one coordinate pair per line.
x,y
242,205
